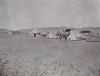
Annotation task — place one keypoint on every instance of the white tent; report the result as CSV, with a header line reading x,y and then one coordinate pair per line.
x,y
74,35
51,36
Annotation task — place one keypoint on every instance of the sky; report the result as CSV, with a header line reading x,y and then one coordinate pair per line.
x,y
23,14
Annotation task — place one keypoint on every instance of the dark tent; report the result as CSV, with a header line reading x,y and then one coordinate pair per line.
x,y
67,30
85,31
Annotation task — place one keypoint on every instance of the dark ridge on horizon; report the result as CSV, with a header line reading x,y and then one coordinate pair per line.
x,y
50,28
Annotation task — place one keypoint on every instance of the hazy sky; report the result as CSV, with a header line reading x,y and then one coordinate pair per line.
x,y
18,14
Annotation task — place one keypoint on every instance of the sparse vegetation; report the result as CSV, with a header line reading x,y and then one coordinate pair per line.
x,y
29,56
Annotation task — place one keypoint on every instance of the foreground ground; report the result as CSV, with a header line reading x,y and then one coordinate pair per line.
x,y
28,56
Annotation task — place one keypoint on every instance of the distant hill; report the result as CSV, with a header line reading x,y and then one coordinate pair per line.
x,y
4,30
45,29
48,29
92,28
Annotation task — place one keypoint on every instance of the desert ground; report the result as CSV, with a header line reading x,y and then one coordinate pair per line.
x,y
38,56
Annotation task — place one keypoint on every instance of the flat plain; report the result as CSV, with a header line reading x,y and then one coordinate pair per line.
x,y
38,56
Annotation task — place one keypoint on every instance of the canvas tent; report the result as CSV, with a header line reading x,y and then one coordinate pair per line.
x,y
74,35
67,30
85,31
51,36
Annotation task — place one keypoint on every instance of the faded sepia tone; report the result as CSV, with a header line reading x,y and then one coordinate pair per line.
x,y
49,38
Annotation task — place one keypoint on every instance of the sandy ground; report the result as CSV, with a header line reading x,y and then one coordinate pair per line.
x,y
29,56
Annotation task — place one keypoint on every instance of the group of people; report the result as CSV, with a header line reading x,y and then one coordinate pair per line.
x,y
60,34
64,34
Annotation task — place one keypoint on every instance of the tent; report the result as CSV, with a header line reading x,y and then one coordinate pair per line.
x,y
74,35
67,30
51,36
85,31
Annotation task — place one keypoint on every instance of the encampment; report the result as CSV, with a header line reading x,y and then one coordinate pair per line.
x,y
34,33
74,35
